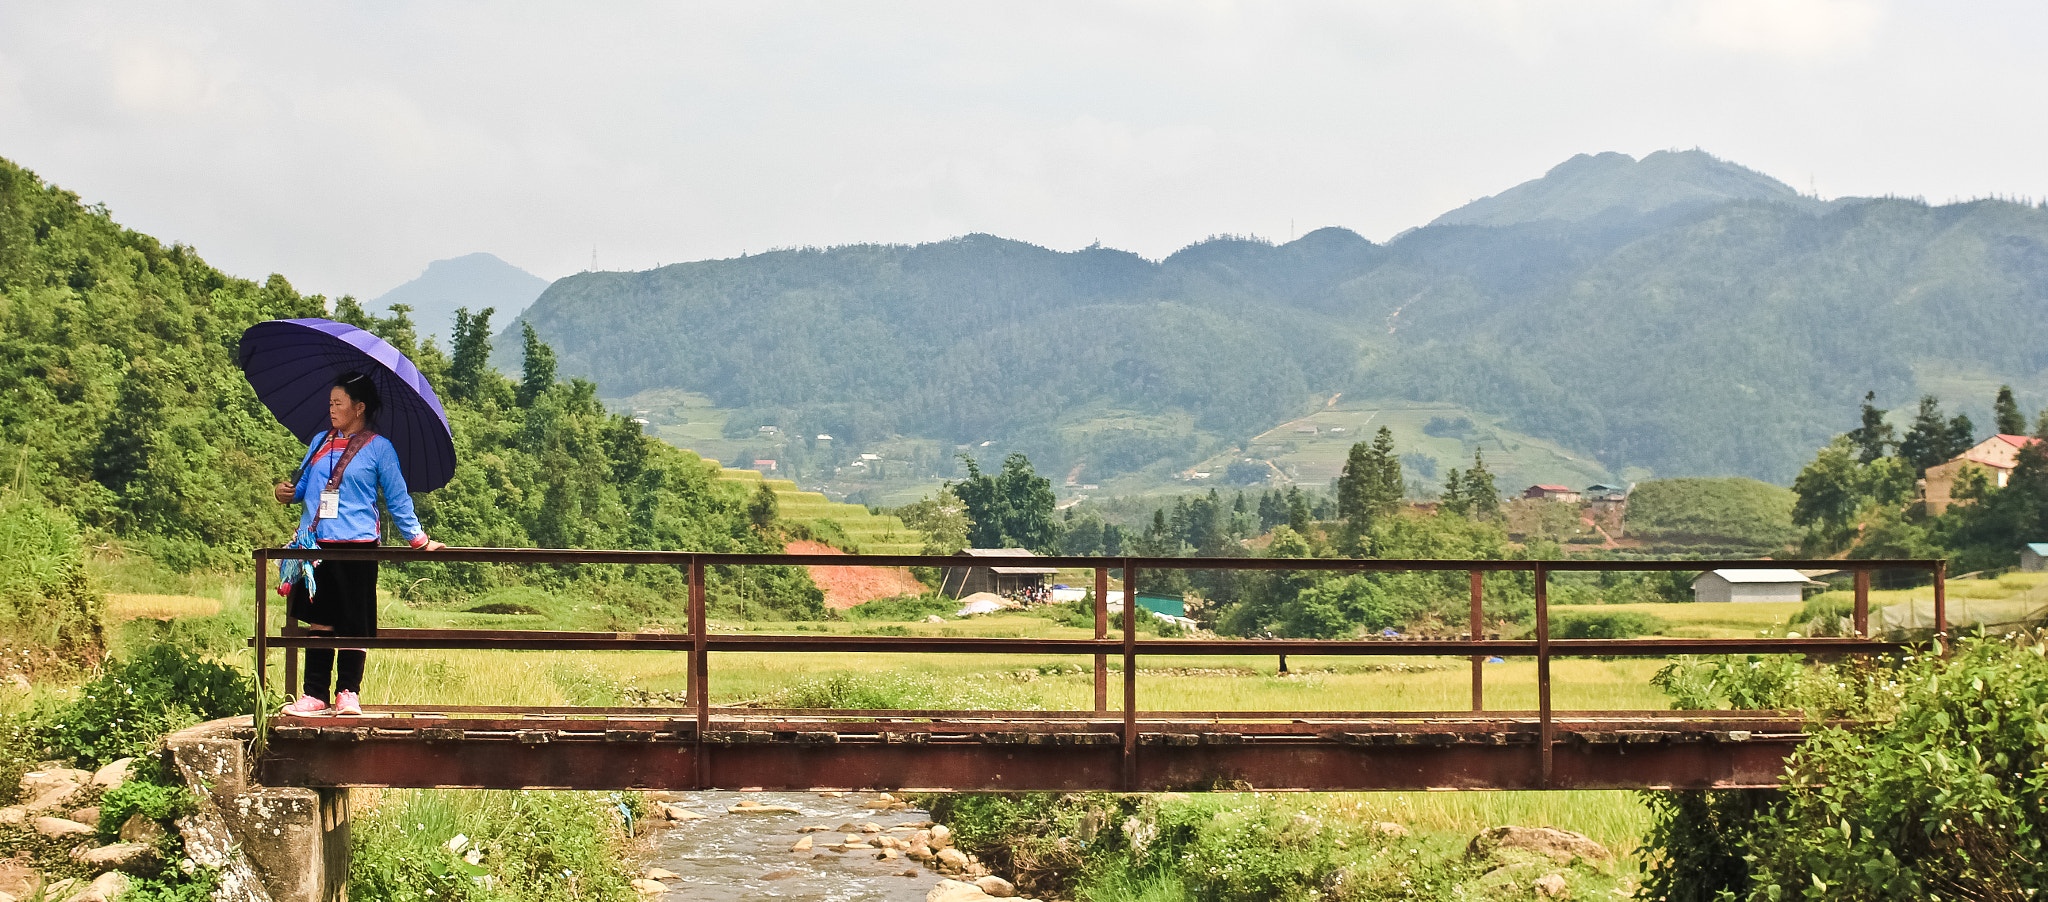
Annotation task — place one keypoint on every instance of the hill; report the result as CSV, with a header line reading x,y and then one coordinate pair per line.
x,y
1673,316
1587,186
472,281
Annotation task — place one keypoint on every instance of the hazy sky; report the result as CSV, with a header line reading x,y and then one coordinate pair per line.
x,y
348,144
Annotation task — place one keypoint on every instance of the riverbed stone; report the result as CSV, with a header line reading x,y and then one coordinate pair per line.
x,y
996,886
758,808
139,828
18,879
121,856
1550,885
941,836
955,891
814,829
85,815
952,859
647,887
802,845
871,828
13,814
57,826
1559,845
659,874
114,774
679,813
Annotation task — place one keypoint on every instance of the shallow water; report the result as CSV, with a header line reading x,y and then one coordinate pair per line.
x,y
728,857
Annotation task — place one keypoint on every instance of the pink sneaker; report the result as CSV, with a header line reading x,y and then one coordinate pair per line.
x,y
346,703
306,706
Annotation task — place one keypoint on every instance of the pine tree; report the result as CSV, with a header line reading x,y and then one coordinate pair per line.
x,y
1875,437
1926,443
537,371
471,352
2006,410
1454,501
1480,490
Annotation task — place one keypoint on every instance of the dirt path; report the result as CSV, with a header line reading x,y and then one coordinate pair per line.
x,y
848,586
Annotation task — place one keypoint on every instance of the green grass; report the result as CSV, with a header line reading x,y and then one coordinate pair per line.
x,y
1516,459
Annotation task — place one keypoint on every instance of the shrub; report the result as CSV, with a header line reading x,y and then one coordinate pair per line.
x,y
1605,625
46,599
902,608
126,709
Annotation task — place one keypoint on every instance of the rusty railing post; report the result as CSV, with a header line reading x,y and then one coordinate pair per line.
x,y
699,688
1102,632
1862,604
262,642
1130,769
1546,730
1478,661
1941,605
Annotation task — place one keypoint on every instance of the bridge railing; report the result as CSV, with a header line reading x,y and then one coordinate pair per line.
x,y
698,641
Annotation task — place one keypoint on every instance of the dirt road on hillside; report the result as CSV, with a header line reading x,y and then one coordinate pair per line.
x,y
848,586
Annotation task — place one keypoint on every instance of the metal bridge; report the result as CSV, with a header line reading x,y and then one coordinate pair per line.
x,y
1135,746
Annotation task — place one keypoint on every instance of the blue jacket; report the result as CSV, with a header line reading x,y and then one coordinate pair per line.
x,y
375,467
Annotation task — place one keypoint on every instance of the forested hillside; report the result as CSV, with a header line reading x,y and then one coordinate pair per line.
x,y
123,405
1692,317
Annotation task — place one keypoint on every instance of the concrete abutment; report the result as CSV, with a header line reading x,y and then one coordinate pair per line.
x,y
270,844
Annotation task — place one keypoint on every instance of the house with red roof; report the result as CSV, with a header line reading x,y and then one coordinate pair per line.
x,y
1995,457
1565,494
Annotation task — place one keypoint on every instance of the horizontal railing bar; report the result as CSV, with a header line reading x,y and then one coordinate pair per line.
x,y
678,558
680,712
569,641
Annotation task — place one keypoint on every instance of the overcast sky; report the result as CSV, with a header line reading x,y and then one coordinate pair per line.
x,y
348,144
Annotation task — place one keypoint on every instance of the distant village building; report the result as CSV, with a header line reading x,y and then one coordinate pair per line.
x,y
823,437
1305,430
1602,492
764,465
1995,457
1552,493
2034,557
1005,572
767,430
1750,585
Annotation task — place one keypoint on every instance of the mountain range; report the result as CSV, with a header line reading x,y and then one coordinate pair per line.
x,y
1678,315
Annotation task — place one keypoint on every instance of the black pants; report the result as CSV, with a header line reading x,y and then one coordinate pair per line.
x,y
346,603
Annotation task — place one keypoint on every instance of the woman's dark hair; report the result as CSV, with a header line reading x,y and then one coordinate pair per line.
x,y
362,389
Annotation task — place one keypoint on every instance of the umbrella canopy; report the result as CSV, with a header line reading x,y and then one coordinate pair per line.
x,y
293,363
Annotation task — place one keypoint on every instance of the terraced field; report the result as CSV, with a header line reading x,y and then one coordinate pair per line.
x,y
847,526
1312,449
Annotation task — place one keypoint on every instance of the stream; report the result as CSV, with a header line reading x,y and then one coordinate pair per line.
x,y
732,856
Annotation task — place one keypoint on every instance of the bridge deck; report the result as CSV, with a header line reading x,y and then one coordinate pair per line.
x,y
907,750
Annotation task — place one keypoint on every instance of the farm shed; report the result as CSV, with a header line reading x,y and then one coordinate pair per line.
x,y
1750,585
2034,557
1006,571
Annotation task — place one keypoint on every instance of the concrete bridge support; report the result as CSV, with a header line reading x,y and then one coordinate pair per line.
x,y
271,844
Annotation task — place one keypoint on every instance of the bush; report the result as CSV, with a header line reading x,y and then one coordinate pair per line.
x,y
126,709
46,599
902,608
1606,625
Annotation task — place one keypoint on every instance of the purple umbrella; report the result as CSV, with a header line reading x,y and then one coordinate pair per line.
x,y
293,363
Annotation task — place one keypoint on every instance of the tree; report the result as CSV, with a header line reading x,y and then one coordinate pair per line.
x,y
471,351
943,520
1454,501
2006,413
1875,438
762,507
1479,488
1300,515
1827,487
1370,487
1926,441
537,369
1012,509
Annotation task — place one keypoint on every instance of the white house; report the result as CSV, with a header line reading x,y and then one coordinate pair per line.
x,y
1750,585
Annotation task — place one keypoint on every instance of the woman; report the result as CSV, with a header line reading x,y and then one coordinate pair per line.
x,y
339,481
